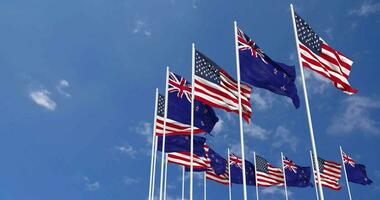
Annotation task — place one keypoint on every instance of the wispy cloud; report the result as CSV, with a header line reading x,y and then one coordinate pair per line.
x,y
355,115
63,84
91,186
275,190
256,131
283,137
329,34
145,129
262,100
218,126
41,97
141,27
366,8
127,149
130,180
316,82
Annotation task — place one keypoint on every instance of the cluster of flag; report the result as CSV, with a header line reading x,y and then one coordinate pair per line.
x,y
261,172
188,108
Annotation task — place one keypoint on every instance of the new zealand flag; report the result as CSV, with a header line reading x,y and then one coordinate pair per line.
x,y
259,70
356,173
296,176
237,171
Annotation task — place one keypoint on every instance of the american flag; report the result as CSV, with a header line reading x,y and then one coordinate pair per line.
x,y
267,175
330,173
215,87
172,127
183,158
317,55
222,178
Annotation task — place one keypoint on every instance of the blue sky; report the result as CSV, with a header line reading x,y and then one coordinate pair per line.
x,y
78,80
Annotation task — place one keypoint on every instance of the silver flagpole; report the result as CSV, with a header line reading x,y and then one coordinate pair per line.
x,y
315,180
345,173
192,120
313,145
183,182
229,175
257,185
283,169
153,147
166,174
164,134
204,186
154,166
240,113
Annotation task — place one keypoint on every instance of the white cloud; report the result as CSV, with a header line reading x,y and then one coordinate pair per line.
x,y
141,27
127,149
275,190
218,126
41,97
91,186
355,115
145,129
262,100
61,86
293,56
317,83
230,117
329,34
130,181
284,137
256,131
367,8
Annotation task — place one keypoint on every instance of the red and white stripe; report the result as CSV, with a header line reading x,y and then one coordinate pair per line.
x,y
222,178
330,175
274,177
331,64
224,95
174,128
183,158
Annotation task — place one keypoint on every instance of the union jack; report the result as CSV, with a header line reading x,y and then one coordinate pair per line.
x,y
234,160
180,86
245,43
348,160
288,164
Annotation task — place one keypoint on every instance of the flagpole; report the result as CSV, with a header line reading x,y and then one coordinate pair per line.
x,y
313,145
153,145
283,169
315,181
164,134
192,120
183,182
154,164
345,173
204,186
229,175
257,185
240,113
166,174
